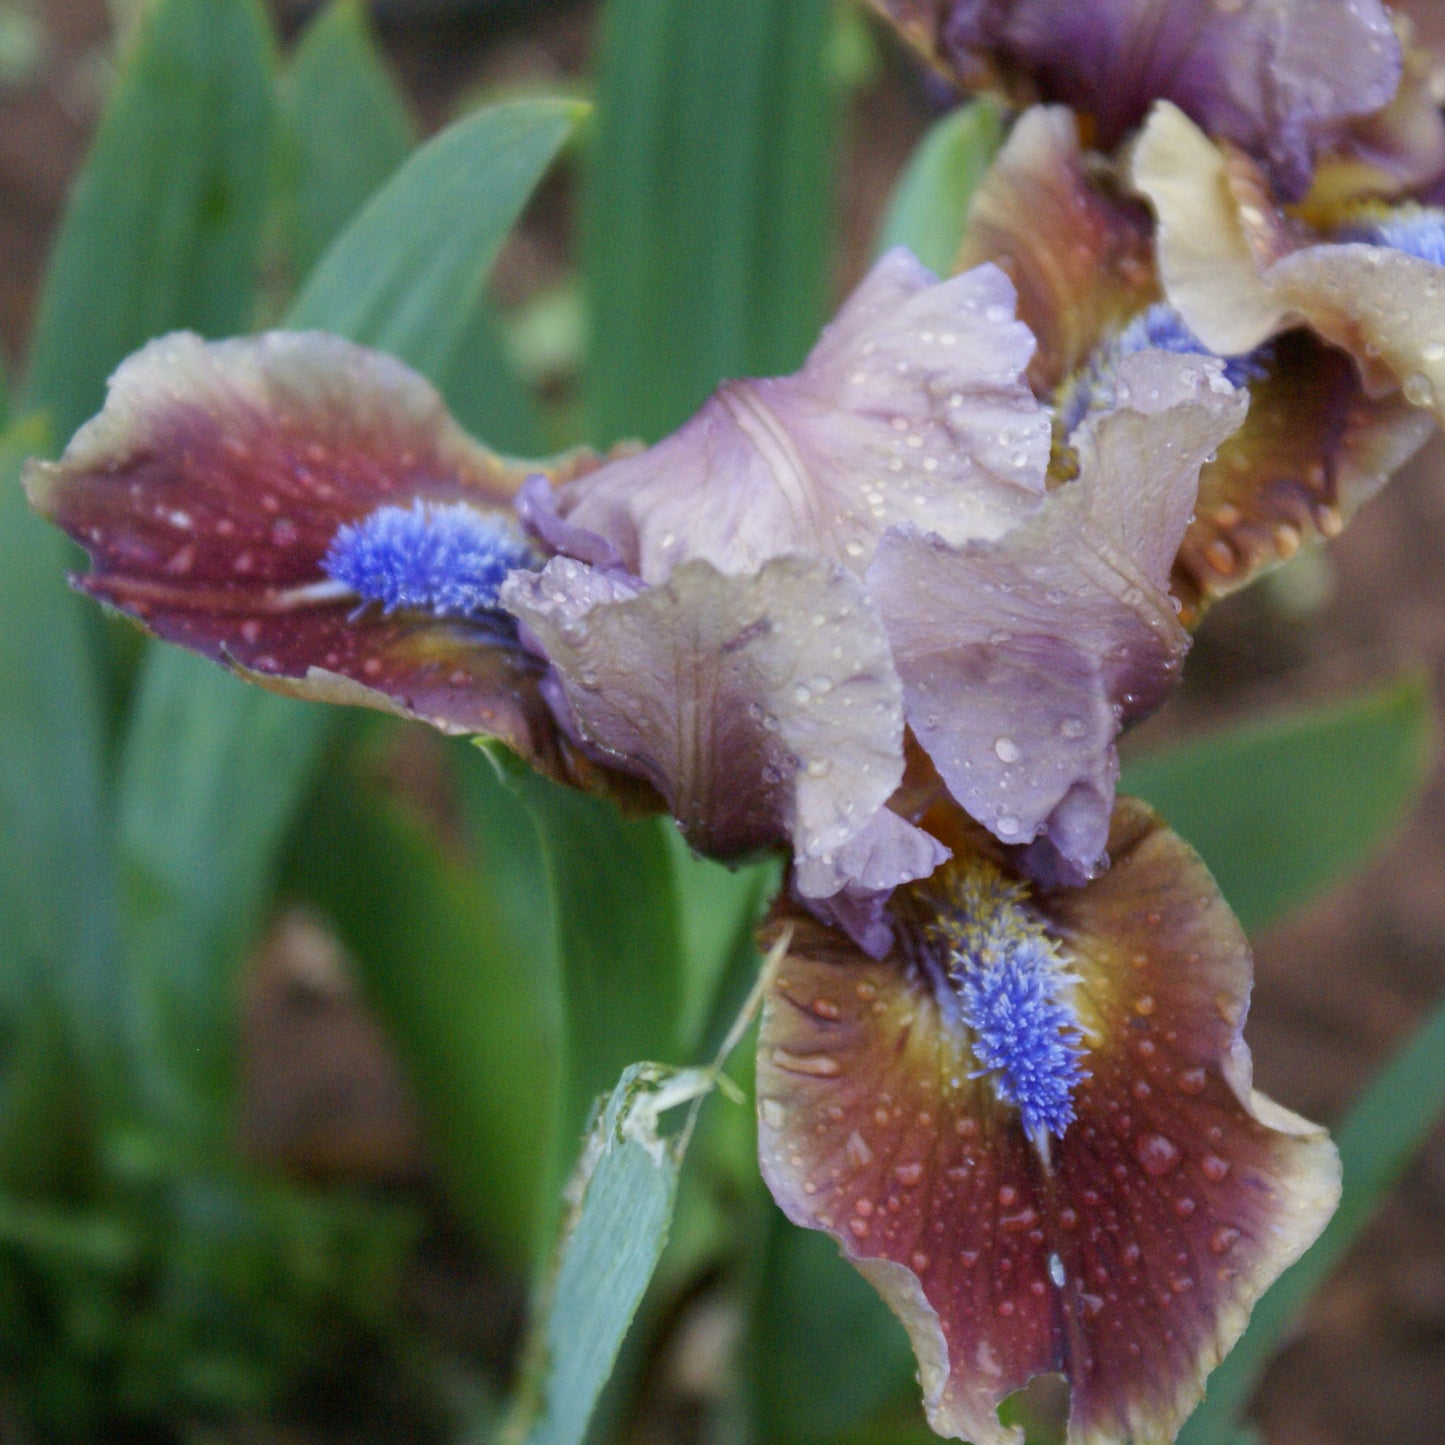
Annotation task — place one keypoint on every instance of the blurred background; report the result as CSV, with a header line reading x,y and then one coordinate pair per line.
x,y
411,1311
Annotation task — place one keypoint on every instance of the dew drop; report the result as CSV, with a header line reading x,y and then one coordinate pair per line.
x,y
1190,1081
859,1155
1056,1270
1157,1154
773,1113
909,1174
919,1261
1214,1168
863,1207
1222,1239
1007,751
1131,1255
858,1227
1184,1206
1418,390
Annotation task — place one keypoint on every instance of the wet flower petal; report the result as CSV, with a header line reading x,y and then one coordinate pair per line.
x,y
763,706
1312,450
1021,659
220,478
1280,78
1240,270
1078,251
911,409
1399,149
1124,1247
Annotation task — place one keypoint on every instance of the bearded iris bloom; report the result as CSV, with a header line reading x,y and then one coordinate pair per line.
x,y
740,619
1327,424
1287,81
740,623
1321,116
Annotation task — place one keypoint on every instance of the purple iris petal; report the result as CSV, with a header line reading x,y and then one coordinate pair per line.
x,y
1280,78
1021,659
913,408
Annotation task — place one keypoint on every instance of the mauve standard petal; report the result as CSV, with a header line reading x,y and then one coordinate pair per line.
x,y
1079,252
912,408
763,706
1128,1252
1280,78
211,487
1022,659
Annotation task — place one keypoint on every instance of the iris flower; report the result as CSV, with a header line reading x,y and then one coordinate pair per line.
x,y
1245,110
1098,277
1287,81
740,619
886,612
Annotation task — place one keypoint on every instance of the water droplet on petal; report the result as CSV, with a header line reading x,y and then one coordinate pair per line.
x,y
1418,389
1007,751
1157,1154
1214,1168
773,1113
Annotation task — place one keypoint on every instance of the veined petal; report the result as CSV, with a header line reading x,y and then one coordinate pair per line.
x,y
763,706
1279,78
212,489
1126,1245
1218,229
1022,659
1312,450
1240,270
1078,251
912,408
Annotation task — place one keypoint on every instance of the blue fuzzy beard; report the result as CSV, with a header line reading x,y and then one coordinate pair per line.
x,y
448,559
1157,328
1012,989
1416,230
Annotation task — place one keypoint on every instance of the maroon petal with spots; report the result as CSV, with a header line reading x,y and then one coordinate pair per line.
x,y
1280,78
209,489
1128,1251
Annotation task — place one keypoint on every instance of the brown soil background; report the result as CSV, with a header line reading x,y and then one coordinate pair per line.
x,y
1338,988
